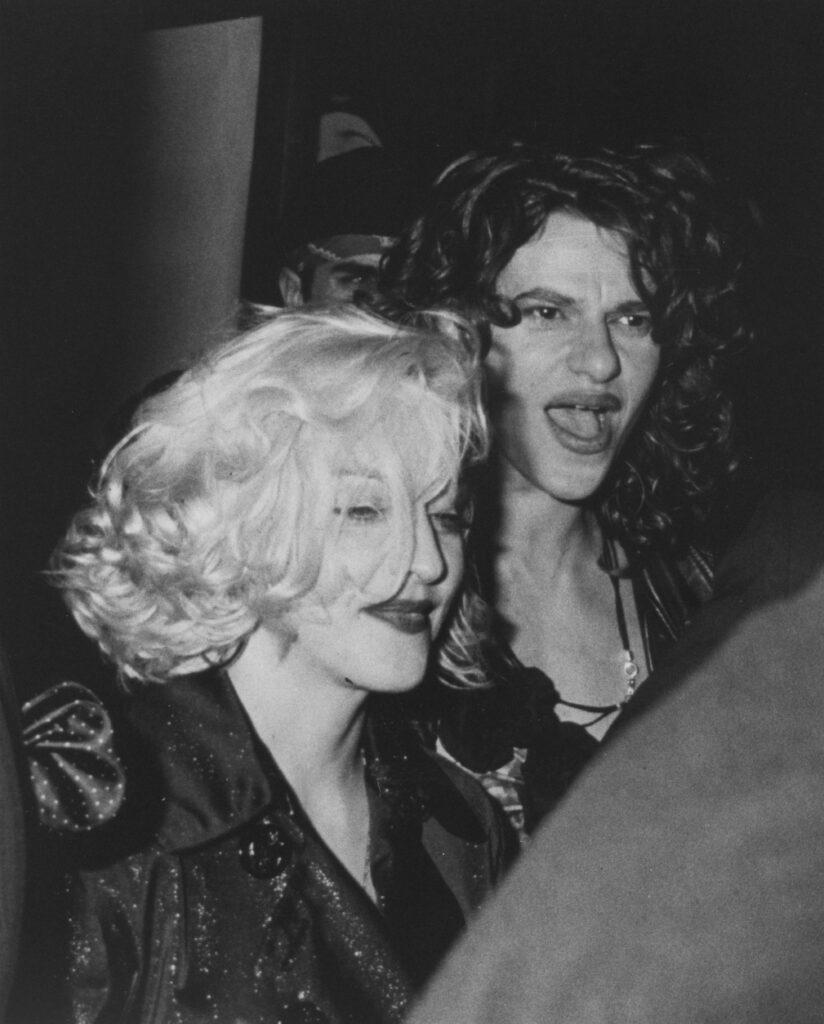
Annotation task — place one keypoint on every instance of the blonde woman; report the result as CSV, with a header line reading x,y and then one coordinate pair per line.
x,y
269,559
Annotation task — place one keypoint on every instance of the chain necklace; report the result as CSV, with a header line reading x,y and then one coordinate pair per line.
x,y
630,666
629,669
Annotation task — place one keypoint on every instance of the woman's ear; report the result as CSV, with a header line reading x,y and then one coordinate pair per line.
x,y
290,288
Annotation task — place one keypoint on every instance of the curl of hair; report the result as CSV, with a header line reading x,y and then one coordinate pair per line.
x,y
212,513
683,261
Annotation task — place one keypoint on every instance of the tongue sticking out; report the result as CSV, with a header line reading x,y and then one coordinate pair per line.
x,y
584,423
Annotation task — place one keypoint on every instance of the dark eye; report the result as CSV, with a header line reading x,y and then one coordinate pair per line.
x,y
363,514
548,313
367,276
451,521
638,323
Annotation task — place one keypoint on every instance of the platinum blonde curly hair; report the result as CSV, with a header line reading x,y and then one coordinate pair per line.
x,y
212,514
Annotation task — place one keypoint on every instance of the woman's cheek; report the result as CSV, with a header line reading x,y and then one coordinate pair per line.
x,y
368,564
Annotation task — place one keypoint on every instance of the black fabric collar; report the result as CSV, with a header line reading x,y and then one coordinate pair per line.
x,y
198,772
193,762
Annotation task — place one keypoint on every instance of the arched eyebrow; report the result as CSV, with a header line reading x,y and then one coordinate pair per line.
x,y
352,484
361,474
437,488
548,295
631,306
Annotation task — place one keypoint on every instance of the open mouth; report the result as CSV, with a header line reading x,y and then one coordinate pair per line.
x,y
584,426
579,420
404,615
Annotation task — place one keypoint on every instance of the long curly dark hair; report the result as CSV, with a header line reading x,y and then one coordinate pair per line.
x,y
665,205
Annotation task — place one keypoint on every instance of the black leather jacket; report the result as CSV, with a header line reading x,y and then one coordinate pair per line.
x,y
222,904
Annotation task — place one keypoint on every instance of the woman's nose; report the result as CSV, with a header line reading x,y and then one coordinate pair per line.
x,y
427,561
593,354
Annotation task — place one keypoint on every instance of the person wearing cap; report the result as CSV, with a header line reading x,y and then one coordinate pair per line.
x,y
350,213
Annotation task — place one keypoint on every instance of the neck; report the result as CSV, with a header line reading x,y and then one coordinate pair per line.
x,y
536,525
311,724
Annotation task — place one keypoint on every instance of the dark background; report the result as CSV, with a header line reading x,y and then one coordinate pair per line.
x,y
741,80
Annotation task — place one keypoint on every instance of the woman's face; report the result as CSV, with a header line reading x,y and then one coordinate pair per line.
x,y
360,636
571,379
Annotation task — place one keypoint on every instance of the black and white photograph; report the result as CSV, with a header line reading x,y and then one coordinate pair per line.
x,y
412,512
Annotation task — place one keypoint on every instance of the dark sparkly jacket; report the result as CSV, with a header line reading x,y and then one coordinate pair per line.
x,y
511,737
222,903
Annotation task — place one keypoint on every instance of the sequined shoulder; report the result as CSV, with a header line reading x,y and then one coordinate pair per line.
x,y
77,778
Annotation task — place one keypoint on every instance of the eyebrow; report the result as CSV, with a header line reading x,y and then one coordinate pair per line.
x,y
362,474
631,306
546,295
436,489
567,302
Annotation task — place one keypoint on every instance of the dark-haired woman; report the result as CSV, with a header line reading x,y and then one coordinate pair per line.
x,y
606,286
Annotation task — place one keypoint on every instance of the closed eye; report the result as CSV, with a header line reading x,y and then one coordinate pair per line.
x,y
451,521
361,514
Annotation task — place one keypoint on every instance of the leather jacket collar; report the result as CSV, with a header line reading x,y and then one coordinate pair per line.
x,y
202,773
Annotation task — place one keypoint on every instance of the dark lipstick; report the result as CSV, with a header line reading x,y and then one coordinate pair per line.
x,y
403,614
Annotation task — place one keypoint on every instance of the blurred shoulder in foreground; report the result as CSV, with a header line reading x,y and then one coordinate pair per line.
x,y
683,878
